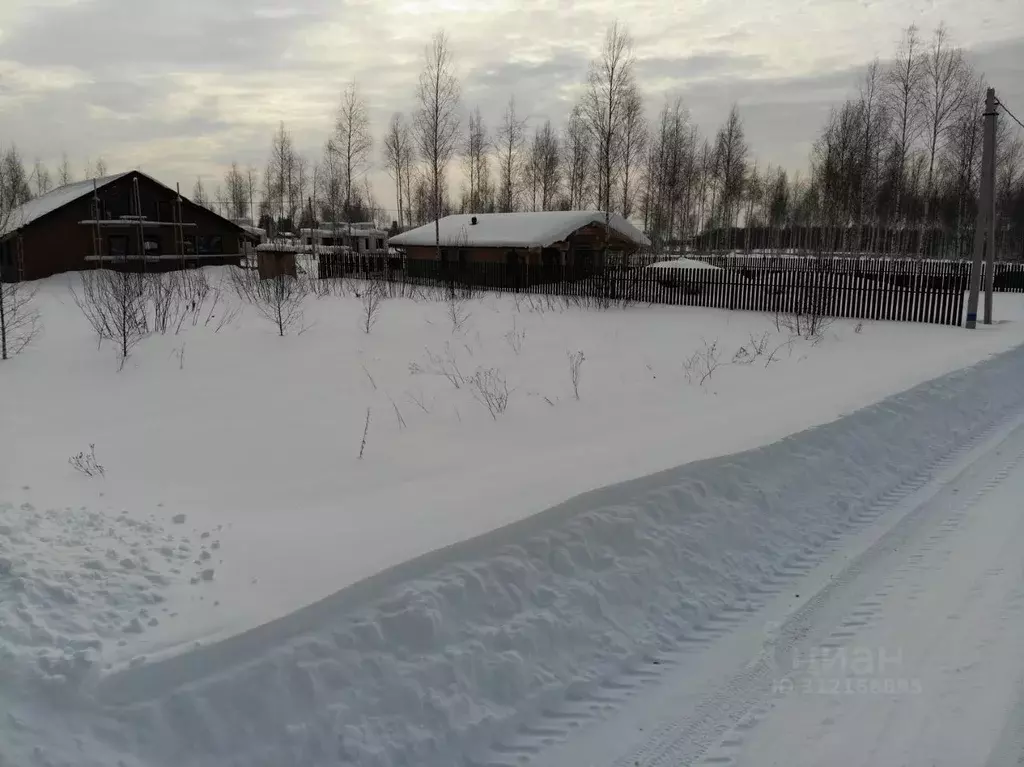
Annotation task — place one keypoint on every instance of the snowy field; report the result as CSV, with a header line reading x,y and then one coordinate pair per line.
x,y
256,439
247,475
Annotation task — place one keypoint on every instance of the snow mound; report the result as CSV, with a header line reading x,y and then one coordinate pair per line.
x,y
72,581
429,662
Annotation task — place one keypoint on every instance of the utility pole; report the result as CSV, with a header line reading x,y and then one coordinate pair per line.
x,y
985,226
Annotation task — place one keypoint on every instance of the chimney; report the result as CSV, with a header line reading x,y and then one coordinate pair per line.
x,y
472,221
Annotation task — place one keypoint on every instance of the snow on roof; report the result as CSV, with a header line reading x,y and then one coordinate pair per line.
x,y
514,230
51,201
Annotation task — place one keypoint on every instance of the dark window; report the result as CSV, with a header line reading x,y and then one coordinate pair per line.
x,y
6,262
209,244
380,243
117,244
328,242
366,243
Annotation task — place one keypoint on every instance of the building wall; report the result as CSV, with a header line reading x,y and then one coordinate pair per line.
x,y
475,255
58,243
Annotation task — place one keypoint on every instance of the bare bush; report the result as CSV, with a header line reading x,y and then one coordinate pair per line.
x,y
87,464
755,348
774,355
807,319
446,366
116,306
366,430
489,387
702,364
576,360
515,337
165,296
19,321
398,414
279,299
372,295
458,311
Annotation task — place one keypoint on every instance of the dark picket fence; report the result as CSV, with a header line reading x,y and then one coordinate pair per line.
x,y
907,290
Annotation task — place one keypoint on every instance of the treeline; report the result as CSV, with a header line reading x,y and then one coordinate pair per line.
x,y
895,169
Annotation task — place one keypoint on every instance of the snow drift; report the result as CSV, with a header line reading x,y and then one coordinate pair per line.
x,y
428,662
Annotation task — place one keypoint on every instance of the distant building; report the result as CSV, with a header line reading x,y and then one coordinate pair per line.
x,y
363,238
127,221
549,239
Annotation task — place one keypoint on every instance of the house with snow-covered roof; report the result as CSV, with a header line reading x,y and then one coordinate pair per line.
x,y
545,239
126,220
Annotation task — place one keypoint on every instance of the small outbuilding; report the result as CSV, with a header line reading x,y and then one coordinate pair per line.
x,y
553,239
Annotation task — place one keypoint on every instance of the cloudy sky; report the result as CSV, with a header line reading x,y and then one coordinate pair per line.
x,y
181,88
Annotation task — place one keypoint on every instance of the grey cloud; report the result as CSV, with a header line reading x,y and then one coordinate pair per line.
x,y
698,65
107,35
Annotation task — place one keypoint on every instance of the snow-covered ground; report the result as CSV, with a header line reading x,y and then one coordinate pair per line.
x,y
233,494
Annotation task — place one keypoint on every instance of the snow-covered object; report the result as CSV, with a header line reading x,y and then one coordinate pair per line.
x,y
51,201
681,263
514,230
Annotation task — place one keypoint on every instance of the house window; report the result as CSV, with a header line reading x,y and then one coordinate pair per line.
x,y
117,244
380,243
366,243
209,245
151,245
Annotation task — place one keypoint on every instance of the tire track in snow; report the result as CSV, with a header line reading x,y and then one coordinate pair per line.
x,y
722,716
912,577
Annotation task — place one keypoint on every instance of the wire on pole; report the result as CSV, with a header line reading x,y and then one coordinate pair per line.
x,y
1009,113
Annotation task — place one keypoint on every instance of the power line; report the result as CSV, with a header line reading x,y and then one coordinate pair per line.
x,y
1011,114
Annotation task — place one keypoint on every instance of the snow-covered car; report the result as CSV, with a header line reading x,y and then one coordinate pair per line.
x,y
680,272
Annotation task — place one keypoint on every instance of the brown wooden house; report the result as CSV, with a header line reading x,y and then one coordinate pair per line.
x,y
551,239
124,221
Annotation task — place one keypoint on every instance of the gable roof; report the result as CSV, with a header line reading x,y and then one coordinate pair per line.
x,y
514,230
45,204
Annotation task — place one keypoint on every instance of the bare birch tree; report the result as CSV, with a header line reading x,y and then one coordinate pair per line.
x,y
577,160
199,196
397,147
730,167
610,84
352,140
64,173
280,171
237,192
41,178
15,188
437,122
251,182
634,143
19,322
903,99
546,158
475,161
508,144
947,83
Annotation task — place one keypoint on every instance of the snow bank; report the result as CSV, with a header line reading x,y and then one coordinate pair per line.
x,y
426,663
